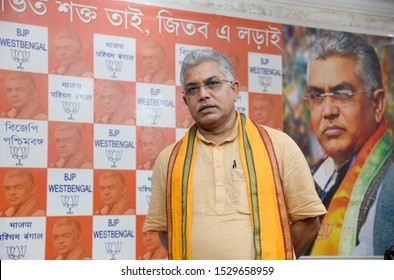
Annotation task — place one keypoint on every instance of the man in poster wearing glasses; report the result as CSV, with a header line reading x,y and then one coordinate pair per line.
x,y
354,179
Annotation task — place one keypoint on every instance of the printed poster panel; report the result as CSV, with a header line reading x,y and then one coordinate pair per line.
x,y
155,105
23,47
23,238
114,146
114,237
114,57
24,143
265,73
108,100
70,99
70,192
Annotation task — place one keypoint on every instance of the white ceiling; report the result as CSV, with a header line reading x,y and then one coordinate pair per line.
x,y
374,7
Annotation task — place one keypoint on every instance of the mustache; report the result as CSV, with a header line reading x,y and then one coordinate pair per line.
x,y
204,106
329,126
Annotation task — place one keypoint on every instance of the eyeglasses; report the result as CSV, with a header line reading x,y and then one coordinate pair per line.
x,y
339,97
211,84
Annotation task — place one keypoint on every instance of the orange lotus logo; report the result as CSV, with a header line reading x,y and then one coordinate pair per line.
x,y
325,231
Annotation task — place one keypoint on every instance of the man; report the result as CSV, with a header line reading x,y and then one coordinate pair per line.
x,y
68,50
69,146
263,111
112,190
154,248
223,180
20,90
20,193
153,142
355,178
154,63
112,98
67,240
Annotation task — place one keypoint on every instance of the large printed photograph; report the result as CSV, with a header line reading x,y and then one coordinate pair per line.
x,y
338,107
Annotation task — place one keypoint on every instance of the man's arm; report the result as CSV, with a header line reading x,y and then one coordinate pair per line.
x,y
303,232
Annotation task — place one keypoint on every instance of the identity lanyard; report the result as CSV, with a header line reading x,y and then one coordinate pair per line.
x,y
324,191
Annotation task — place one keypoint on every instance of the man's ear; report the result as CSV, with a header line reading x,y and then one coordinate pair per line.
x,y
379,104
184,99
235,86
33,190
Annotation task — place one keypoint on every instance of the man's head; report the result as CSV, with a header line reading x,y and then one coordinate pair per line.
x,y
347,68
153,57
111,97
263,109
153,142
20,89
151,240
68,140
209,89
112,187
66,235
18,187
68,48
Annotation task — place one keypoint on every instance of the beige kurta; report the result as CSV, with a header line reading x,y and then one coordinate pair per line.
x,y
221,225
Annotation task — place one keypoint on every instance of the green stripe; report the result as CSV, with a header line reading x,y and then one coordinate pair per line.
x,y
372,166
185,180
253,189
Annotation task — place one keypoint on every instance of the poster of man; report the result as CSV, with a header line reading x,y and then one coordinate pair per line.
x,y
69,50
68,148
116,191
24,192
155,68
114,104
152,141
23,96
149,246
69,238
266,109
346,118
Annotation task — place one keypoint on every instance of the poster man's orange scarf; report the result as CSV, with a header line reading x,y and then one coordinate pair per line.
x,y
270,223
337,234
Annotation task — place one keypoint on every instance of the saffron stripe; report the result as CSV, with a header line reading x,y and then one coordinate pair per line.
x,y
185,183
253,191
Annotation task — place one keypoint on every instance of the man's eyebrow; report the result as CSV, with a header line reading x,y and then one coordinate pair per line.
x,y
314,88
341,85
196,83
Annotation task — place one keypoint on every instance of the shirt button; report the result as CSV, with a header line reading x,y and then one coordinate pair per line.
x,y
220,183
218,164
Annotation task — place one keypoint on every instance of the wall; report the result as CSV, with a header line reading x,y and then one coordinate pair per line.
x,y
376,17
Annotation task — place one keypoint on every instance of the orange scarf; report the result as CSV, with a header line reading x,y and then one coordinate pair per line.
x,y
270,222
337,234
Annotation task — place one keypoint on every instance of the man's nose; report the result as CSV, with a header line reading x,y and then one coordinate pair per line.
x,y
329,107
12,191
203,93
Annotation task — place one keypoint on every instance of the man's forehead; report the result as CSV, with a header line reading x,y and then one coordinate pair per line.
x,y
200,72
109,180
16,79
110,91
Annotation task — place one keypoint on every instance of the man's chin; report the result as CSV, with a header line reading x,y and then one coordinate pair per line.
x,y
337,150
